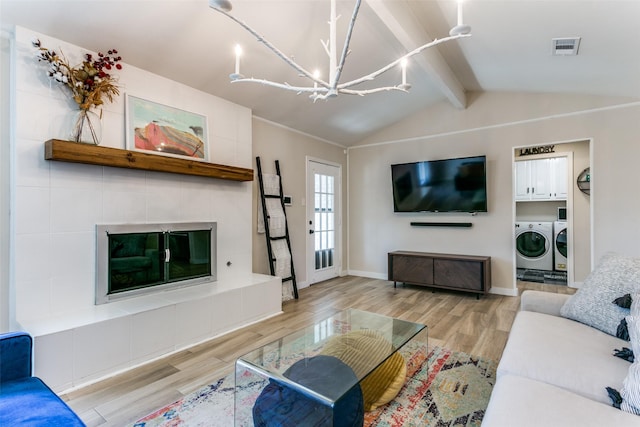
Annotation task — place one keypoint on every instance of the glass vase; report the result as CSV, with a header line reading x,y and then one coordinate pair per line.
x,y
86,127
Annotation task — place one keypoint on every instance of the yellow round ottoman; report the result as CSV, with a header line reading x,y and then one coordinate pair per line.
x,y
362,349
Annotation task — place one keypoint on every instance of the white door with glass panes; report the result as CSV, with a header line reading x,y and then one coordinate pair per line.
x,y
323,220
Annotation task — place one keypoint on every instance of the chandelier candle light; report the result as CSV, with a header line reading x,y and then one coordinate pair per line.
x,y
322,89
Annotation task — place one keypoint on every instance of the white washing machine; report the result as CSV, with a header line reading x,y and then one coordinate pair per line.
x,y
534,245
560,245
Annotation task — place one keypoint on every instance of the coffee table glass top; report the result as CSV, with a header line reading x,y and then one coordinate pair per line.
x,y
274,360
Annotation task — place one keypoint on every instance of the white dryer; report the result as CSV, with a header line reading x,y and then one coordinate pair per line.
x,y
534,245
560,245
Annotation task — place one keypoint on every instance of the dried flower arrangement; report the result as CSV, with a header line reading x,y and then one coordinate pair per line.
x,y
90,81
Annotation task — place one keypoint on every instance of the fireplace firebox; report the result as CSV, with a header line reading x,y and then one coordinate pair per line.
x,y
135,259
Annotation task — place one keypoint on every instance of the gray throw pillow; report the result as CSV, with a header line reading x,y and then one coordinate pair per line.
x,y
592,305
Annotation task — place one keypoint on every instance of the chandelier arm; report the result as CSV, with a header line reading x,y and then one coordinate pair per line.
x,y
369,91
396,62
327,95
347,41
271,47
326,47
285,86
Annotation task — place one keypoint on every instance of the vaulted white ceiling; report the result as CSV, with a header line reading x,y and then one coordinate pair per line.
x,y
510,50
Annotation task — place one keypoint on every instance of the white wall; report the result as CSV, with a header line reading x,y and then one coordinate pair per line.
x,y
272,142
57,205
493,124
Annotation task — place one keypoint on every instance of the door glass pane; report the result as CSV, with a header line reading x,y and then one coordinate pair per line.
x,y
324,220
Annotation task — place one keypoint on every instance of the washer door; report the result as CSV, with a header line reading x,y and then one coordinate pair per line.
x,y
531,244
561,242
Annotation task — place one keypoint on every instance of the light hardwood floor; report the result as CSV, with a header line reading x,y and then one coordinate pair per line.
x,y
455,320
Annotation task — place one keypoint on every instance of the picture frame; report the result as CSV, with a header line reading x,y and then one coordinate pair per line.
x,y
160,129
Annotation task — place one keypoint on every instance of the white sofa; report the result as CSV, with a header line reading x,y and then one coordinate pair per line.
x,y
554,371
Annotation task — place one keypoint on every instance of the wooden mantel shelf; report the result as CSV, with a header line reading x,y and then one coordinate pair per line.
x,y
66,151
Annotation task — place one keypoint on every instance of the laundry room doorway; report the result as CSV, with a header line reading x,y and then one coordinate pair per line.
x,y
552,216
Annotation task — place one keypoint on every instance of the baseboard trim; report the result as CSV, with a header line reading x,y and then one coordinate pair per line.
x,y
508,292
368,274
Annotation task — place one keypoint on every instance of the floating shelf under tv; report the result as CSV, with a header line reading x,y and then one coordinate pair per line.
x,y
74,152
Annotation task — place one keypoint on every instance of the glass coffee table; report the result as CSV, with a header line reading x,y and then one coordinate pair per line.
x,y
324,374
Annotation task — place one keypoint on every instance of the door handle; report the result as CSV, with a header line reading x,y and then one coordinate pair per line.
x,y
311,231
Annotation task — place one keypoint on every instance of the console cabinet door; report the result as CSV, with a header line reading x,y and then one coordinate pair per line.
x,y
458,274
412,269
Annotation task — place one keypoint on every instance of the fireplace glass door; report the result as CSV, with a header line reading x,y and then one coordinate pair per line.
x,y
135,261
151,257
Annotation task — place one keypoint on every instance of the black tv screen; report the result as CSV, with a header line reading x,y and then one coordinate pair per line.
x,y
450,185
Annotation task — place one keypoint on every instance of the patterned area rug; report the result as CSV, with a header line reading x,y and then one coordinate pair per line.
x,y
443,389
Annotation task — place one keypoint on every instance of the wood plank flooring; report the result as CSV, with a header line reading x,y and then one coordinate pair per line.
x,y
455,320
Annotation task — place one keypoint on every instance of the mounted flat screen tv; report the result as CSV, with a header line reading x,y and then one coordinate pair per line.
x,y
450,185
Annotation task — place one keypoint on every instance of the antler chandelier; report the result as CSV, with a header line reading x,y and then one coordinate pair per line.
x,y
322,89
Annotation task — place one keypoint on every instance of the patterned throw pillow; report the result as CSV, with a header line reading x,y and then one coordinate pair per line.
x,y
622,332
615,275
634,335
631,390
629,398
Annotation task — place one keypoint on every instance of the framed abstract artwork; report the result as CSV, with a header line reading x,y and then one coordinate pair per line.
x,y
160,129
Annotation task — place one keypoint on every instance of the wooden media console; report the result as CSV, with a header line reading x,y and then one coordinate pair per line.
x,y
465,273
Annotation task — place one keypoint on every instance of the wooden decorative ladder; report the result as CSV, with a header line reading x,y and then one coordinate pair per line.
x,y
276,229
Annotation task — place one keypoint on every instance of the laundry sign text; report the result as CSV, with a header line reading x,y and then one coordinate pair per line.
x,y
543,149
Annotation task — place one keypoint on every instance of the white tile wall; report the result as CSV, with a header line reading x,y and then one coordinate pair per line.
x,y
101,348
72,350
154,333
53,358
227,310
194,321
57,206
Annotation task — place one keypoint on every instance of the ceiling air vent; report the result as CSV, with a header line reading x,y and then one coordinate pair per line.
x,y
565,46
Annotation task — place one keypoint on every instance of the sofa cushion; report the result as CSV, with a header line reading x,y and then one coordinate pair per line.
x,y
564,353
522,402
614,276
30,402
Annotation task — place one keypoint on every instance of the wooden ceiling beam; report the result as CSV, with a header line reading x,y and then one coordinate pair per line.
x,y
399,19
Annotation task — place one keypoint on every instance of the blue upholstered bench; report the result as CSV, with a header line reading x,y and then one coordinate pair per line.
x,y
26,400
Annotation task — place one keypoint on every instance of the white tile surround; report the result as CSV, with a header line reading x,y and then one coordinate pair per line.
x,y
56,206
79,347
